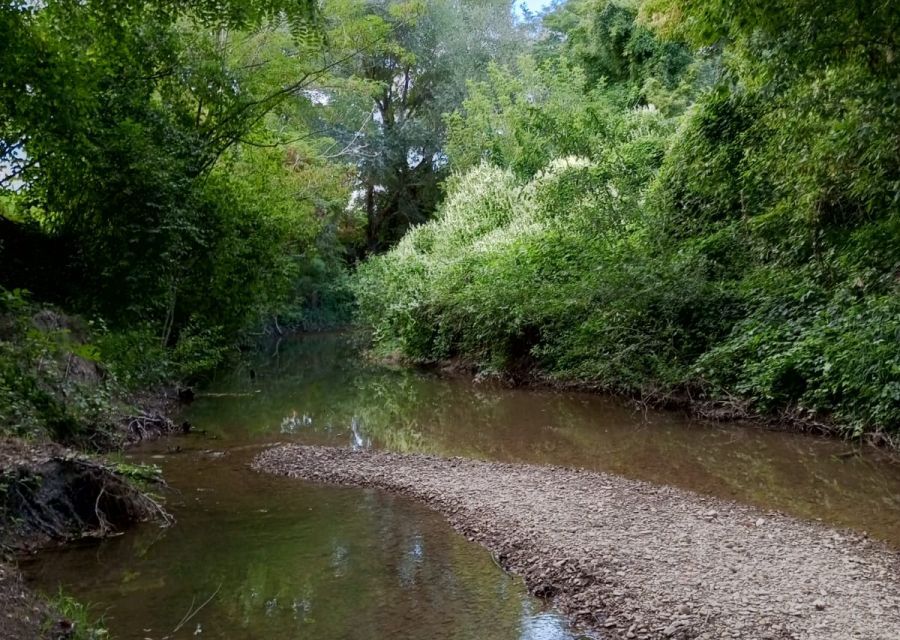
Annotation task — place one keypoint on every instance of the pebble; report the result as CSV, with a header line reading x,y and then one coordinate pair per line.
x,y
649,557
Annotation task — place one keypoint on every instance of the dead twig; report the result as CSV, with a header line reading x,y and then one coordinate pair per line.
x,y
191,612
102,522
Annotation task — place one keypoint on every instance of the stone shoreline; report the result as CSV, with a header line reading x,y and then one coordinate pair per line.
x,y
635,560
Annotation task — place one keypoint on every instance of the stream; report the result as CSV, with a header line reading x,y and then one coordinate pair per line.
x,y
254,556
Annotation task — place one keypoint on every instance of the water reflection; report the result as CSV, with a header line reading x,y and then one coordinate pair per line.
x,y
353,403
287,560
541,627
294,423
357,439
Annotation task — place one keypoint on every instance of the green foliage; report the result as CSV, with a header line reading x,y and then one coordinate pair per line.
x,y
782,39
411,64
67,380
743,246
181,173
523,117
161,152
507,270
800,163
159,174
817,349
608,42
323,294
136,360
50,386
134,357
658,194
613,47
81,624
145,477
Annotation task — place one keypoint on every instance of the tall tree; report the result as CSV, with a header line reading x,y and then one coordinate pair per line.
x,y
415,63
114,118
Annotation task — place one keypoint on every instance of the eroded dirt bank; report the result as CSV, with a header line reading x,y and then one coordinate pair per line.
x,y
50,495
637,560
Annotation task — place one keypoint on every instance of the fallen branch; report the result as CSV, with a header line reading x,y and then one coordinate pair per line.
x,y
143,424
187,617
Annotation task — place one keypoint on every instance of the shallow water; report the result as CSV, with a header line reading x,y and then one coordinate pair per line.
x,y
289,560
285,560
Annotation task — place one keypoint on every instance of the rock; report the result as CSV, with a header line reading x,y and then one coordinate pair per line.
x,y
819,605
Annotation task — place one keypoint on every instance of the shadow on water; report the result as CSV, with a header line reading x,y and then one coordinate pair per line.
x,y
319,390
283,560
290,560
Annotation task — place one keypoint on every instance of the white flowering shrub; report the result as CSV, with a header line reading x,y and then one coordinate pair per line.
x,y
507,271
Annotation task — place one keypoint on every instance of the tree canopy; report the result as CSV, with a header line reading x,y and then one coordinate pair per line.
x,y
653,196
673,197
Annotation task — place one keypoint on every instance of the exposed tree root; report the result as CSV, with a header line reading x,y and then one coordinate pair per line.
x,y
61,496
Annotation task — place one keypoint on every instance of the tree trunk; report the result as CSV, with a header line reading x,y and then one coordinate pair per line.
x,y
371,219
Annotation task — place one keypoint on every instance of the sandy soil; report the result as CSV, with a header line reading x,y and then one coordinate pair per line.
x,y
635,560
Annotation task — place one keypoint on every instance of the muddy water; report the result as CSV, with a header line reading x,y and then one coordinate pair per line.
x,y
280,560
287,560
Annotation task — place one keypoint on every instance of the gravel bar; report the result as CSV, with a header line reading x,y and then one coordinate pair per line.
x,y
635,560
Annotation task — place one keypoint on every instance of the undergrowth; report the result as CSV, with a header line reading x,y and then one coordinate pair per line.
x,y
746,248
74,620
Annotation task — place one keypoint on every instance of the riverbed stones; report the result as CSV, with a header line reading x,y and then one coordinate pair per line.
x,y
644,557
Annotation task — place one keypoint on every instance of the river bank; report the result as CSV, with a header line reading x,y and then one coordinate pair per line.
x,y
695,402
24,614
637,560
51,494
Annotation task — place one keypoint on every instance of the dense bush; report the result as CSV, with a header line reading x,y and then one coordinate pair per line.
x,y
67,379
50,386
748,248
157,160
510,265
